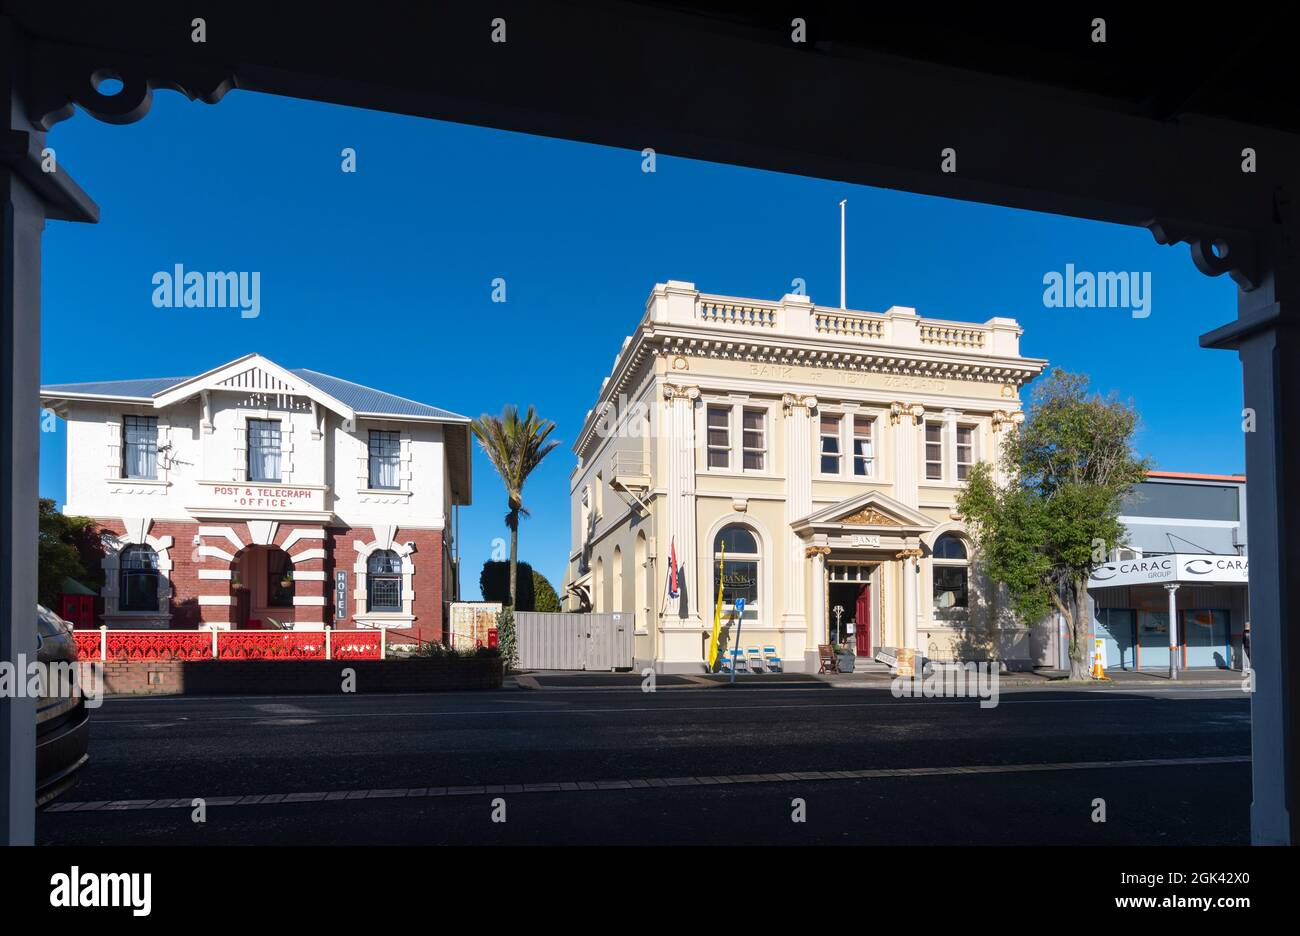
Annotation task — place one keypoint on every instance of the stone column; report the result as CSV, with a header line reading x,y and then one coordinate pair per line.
x,y
817,628
680,443
1003,422
905,418
798,501
911,578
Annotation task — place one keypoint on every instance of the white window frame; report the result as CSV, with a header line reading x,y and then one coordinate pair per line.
x,y
926,461
735,447
838,415
709,447
851,429
956,450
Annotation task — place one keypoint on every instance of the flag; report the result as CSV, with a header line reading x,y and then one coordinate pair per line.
x,y
674,588
717,613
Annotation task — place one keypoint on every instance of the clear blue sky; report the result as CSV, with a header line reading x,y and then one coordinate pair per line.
x,y
384,276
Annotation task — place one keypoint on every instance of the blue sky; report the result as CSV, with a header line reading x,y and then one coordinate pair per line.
x,y
384,276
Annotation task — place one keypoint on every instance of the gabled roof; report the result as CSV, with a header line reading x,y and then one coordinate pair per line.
x,y
346,395
870,510
254,373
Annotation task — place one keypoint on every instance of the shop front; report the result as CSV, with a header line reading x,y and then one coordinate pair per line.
x,y
1204,596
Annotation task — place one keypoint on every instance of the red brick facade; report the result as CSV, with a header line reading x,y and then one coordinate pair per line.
x,y
202,591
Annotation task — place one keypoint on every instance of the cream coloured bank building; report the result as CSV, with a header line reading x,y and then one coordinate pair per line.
x,y
824,450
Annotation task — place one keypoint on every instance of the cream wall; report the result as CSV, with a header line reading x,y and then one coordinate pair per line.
x,y
675,379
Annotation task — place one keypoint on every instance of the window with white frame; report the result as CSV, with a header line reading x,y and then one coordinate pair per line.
x,y
736,437
264,450
965,451
934,451
137,587
863,453
831,452
719,437
754,439
951,569
737,548
140,447
384,581
385,450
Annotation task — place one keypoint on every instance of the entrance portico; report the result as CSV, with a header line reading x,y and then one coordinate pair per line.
x,y
868,545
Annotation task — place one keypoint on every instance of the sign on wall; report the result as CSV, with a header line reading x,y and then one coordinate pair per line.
x,y
340,596
1175,568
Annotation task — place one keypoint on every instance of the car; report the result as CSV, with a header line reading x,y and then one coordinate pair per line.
x,y
62,719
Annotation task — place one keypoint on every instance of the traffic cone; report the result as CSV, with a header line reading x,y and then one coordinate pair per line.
x,y
1098,667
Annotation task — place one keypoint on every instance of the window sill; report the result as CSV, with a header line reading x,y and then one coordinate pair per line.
x,y
141,482
388,494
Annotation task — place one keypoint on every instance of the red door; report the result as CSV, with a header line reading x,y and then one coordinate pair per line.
x,y
862,629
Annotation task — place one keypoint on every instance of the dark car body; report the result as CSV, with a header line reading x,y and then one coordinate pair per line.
x,y
62,720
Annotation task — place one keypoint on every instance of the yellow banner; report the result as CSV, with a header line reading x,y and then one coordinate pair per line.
x,y
717,615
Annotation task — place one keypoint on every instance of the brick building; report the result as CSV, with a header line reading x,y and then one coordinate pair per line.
x,y
253,495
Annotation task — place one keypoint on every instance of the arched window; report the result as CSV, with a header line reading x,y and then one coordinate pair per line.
x,y
384,581
616,604
740,569
951,573
640,591
138,579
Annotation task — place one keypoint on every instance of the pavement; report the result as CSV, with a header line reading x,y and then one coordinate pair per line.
x,y
757,764
874,678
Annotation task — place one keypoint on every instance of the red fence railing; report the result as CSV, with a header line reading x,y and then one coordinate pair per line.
x,y
131,645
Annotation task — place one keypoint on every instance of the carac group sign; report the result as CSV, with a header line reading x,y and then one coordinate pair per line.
x,y
1173,569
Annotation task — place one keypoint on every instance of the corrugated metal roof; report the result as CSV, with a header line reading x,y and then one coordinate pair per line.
x,y
142,388
369,400
362,399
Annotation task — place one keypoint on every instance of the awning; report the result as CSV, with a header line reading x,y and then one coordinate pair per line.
x,y
1172,569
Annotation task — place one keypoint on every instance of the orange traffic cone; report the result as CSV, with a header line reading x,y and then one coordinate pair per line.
x,y
1098,660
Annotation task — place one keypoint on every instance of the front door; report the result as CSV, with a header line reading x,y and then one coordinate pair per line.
x,y
862,629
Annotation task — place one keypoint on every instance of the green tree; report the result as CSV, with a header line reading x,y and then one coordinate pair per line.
x,y
544,595
535,592
515,447
1054,518
67,547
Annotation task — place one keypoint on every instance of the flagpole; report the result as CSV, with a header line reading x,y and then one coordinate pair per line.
x,y
842,299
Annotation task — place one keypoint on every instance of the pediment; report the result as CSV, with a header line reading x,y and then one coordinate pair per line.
x,y
256,376
870,510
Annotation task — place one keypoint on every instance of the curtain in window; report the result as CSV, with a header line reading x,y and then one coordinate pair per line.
x,y
140,452
385,459
263,450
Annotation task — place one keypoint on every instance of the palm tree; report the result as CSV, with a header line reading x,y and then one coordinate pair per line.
x,y
515,446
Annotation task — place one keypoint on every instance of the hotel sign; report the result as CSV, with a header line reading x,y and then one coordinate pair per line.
x,y
1173,569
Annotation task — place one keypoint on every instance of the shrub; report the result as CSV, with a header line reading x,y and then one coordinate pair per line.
x,y
506,642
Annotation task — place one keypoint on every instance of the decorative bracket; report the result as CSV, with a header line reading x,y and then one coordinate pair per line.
x,y
62,76
1214,251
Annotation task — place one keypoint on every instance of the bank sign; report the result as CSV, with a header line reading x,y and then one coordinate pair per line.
x,y
1174,569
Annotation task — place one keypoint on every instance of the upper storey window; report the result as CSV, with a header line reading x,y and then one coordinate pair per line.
x,y
140,447
264,450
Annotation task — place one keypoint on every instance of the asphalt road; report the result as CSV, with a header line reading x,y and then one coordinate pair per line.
x,y
675,766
